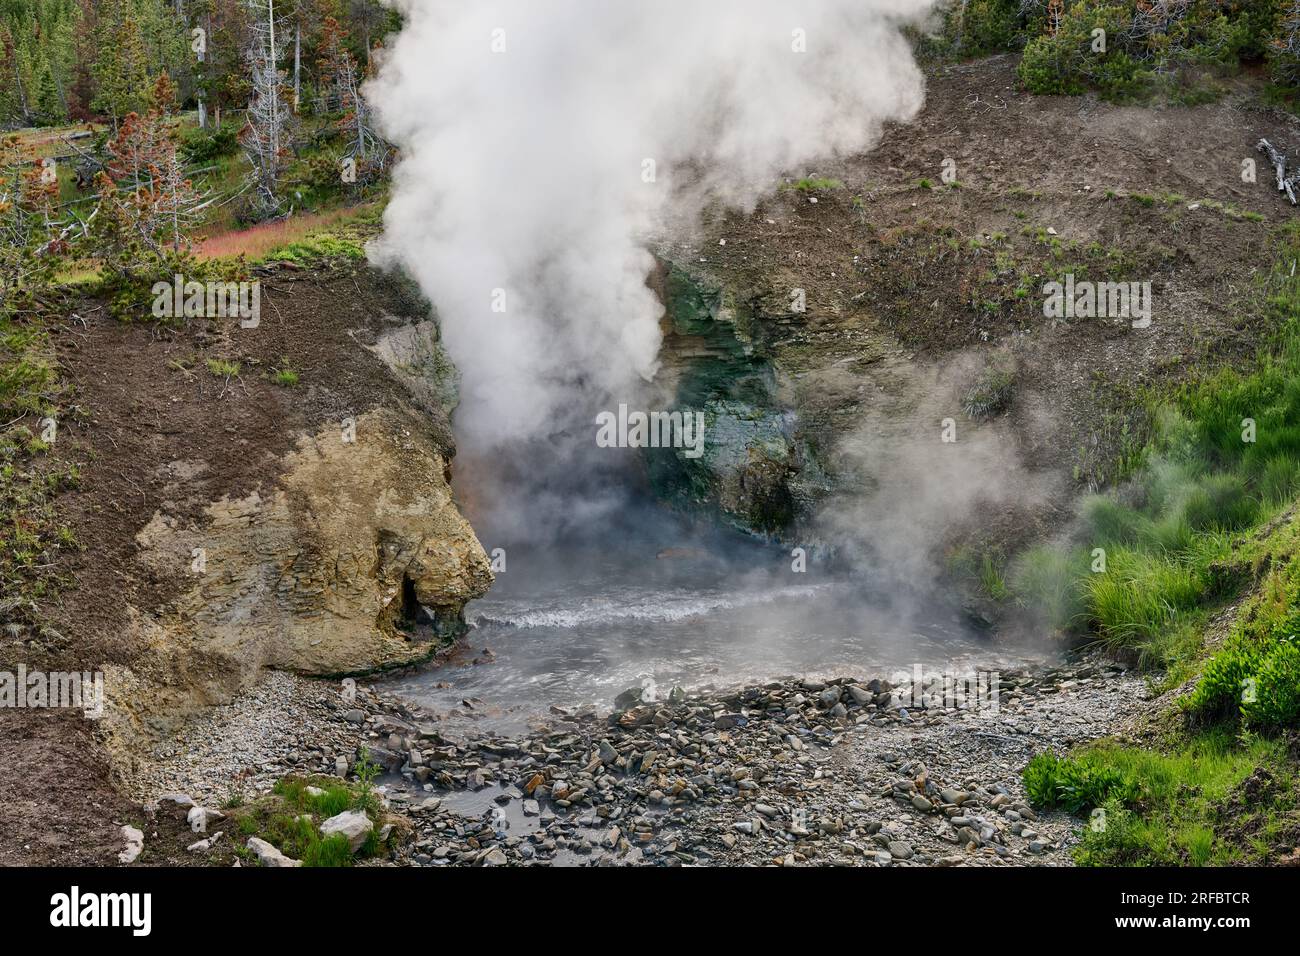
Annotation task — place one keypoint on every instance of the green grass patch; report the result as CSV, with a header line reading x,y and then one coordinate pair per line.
x,y
1150,808
992,579
1210,509
1222,459
290,816
991,394
315,247
222,368
1077,784
1254,677
816,184
285,377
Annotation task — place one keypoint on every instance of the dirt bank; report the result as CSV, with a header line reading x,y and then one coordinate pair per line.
x,y
921,300
231,517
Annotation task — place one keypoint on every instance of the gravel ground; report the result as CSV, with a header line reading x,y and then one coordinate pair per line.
x,y
286,724
789,773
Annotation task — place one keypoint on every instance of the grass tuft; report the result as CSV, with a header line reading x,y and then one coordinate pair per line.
x,y
224,369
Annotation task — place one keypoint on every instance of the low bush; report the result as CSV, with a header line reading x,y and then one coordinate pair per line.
x,y
1224,679
1076,784
1118,47
204,146
1273,701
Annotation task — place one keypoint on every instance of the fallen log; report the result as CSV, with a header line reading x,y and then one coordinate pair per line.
x,y
1277,159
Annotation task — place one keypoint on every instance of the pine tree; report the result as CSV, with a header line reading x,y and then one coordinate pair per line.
x,y
59,26
85,52
46,101
341,82
165,39
227,24
120,71
29,227
10,100
139,146
159,204
162,98
22,75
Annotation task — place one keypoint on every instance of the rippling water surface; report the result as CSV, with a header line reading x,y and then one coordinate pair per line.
x,y
656,604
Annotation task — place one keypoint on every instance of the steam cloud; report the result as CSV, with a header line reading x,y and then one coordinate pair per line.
x,y
912,493
523,170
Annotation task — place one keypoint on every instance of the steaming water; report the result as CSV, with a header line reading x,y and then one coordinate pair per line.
x,y
579,622
723,98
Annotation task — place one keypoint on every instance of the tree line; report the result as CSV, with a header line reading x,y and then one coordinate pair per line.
x,y
65,61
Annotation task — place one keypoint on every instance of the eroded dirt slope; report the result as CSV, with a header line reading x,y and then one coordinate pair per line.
x,y
918,292
319,511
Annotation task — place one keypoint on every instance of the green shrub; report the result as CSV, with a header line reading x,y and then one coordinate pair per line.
x,y
1223,679
1076,784
204,146
1066,61
1052,65
1125,839
1119,76
1220,503
1064,58
367,770
1069,58
1275,703
1284,63
322,175
986,26
1040,779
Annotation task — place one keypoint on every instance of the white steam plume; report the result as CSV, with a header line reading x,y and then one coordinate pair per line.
x,y
525,128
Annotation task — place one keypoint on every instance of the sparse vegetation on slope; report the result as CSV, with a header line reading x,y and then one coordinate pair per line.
x,y
1212,512
1126,49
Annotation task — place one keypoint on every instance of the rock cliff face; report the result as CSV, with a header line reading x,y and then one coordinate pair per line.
x,y
323,575
359,560
755,471
231,523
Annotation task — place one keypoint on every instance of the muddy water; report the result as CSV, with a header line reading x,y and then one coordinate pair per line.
x,y
655,605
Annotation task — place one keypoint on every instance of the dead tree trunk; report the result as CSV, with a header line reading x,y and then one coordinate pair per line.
x,y
266,132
